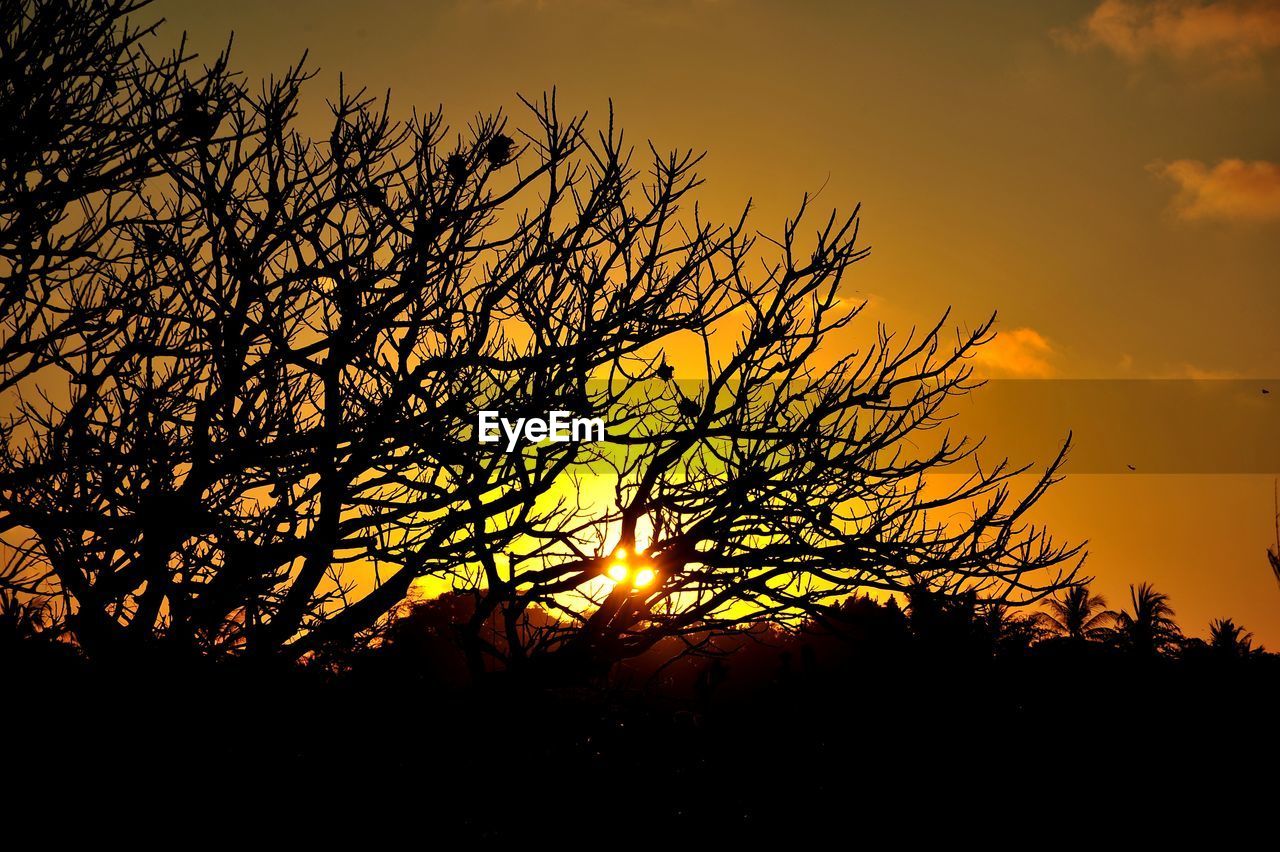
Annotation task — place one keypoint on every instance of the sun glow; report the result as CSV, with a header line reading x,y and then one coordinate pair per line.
x,y
638,573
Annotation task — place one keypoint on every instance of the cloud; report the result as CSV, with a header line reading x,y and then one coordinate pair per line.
x,y
1228,32
1233,190
1201,374
1184,370
1020,353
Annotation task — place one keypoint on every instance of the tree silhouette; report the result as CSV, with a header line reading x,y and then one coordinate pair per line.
x,y
246,422
87,116
1229,640
1273,553
1079,615
1009,632
1150,628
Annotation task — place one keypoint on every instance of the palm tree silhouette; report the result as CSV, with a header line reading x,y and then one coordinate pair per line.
x,y
1079,615
1229,639
1150,628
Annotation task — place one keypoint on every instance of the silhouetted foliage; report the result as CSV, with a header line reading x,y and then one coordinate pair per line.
x,y
1229,640
1010,632
1077,614
1273,553
1149,629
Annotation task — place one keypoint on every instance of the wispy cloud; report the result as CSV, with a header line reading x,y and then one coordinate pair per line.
x,y
1232,190
1184,370
1227,32
1019,353
1201,374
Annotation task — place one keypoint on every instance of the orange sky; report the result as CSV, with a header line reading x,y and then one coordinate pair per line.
x,y
1103,174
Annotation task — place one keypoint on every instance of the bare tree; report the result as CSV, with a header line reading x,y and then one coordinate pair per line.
x,y
87,118
269,436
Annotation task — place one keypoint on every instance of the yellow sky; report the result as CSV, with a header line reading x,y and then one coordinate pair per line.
x,y
1102,173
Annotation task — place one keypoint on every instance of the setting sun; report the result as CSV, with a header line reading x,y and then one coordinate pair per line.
x,y
639,575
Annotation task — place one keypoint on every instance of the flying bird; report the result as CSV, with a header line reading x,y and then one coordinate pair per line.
x,y
1131,467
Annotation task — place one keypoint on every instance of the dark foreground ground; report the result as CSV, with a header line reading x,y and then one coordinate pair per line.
x,y
916,747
